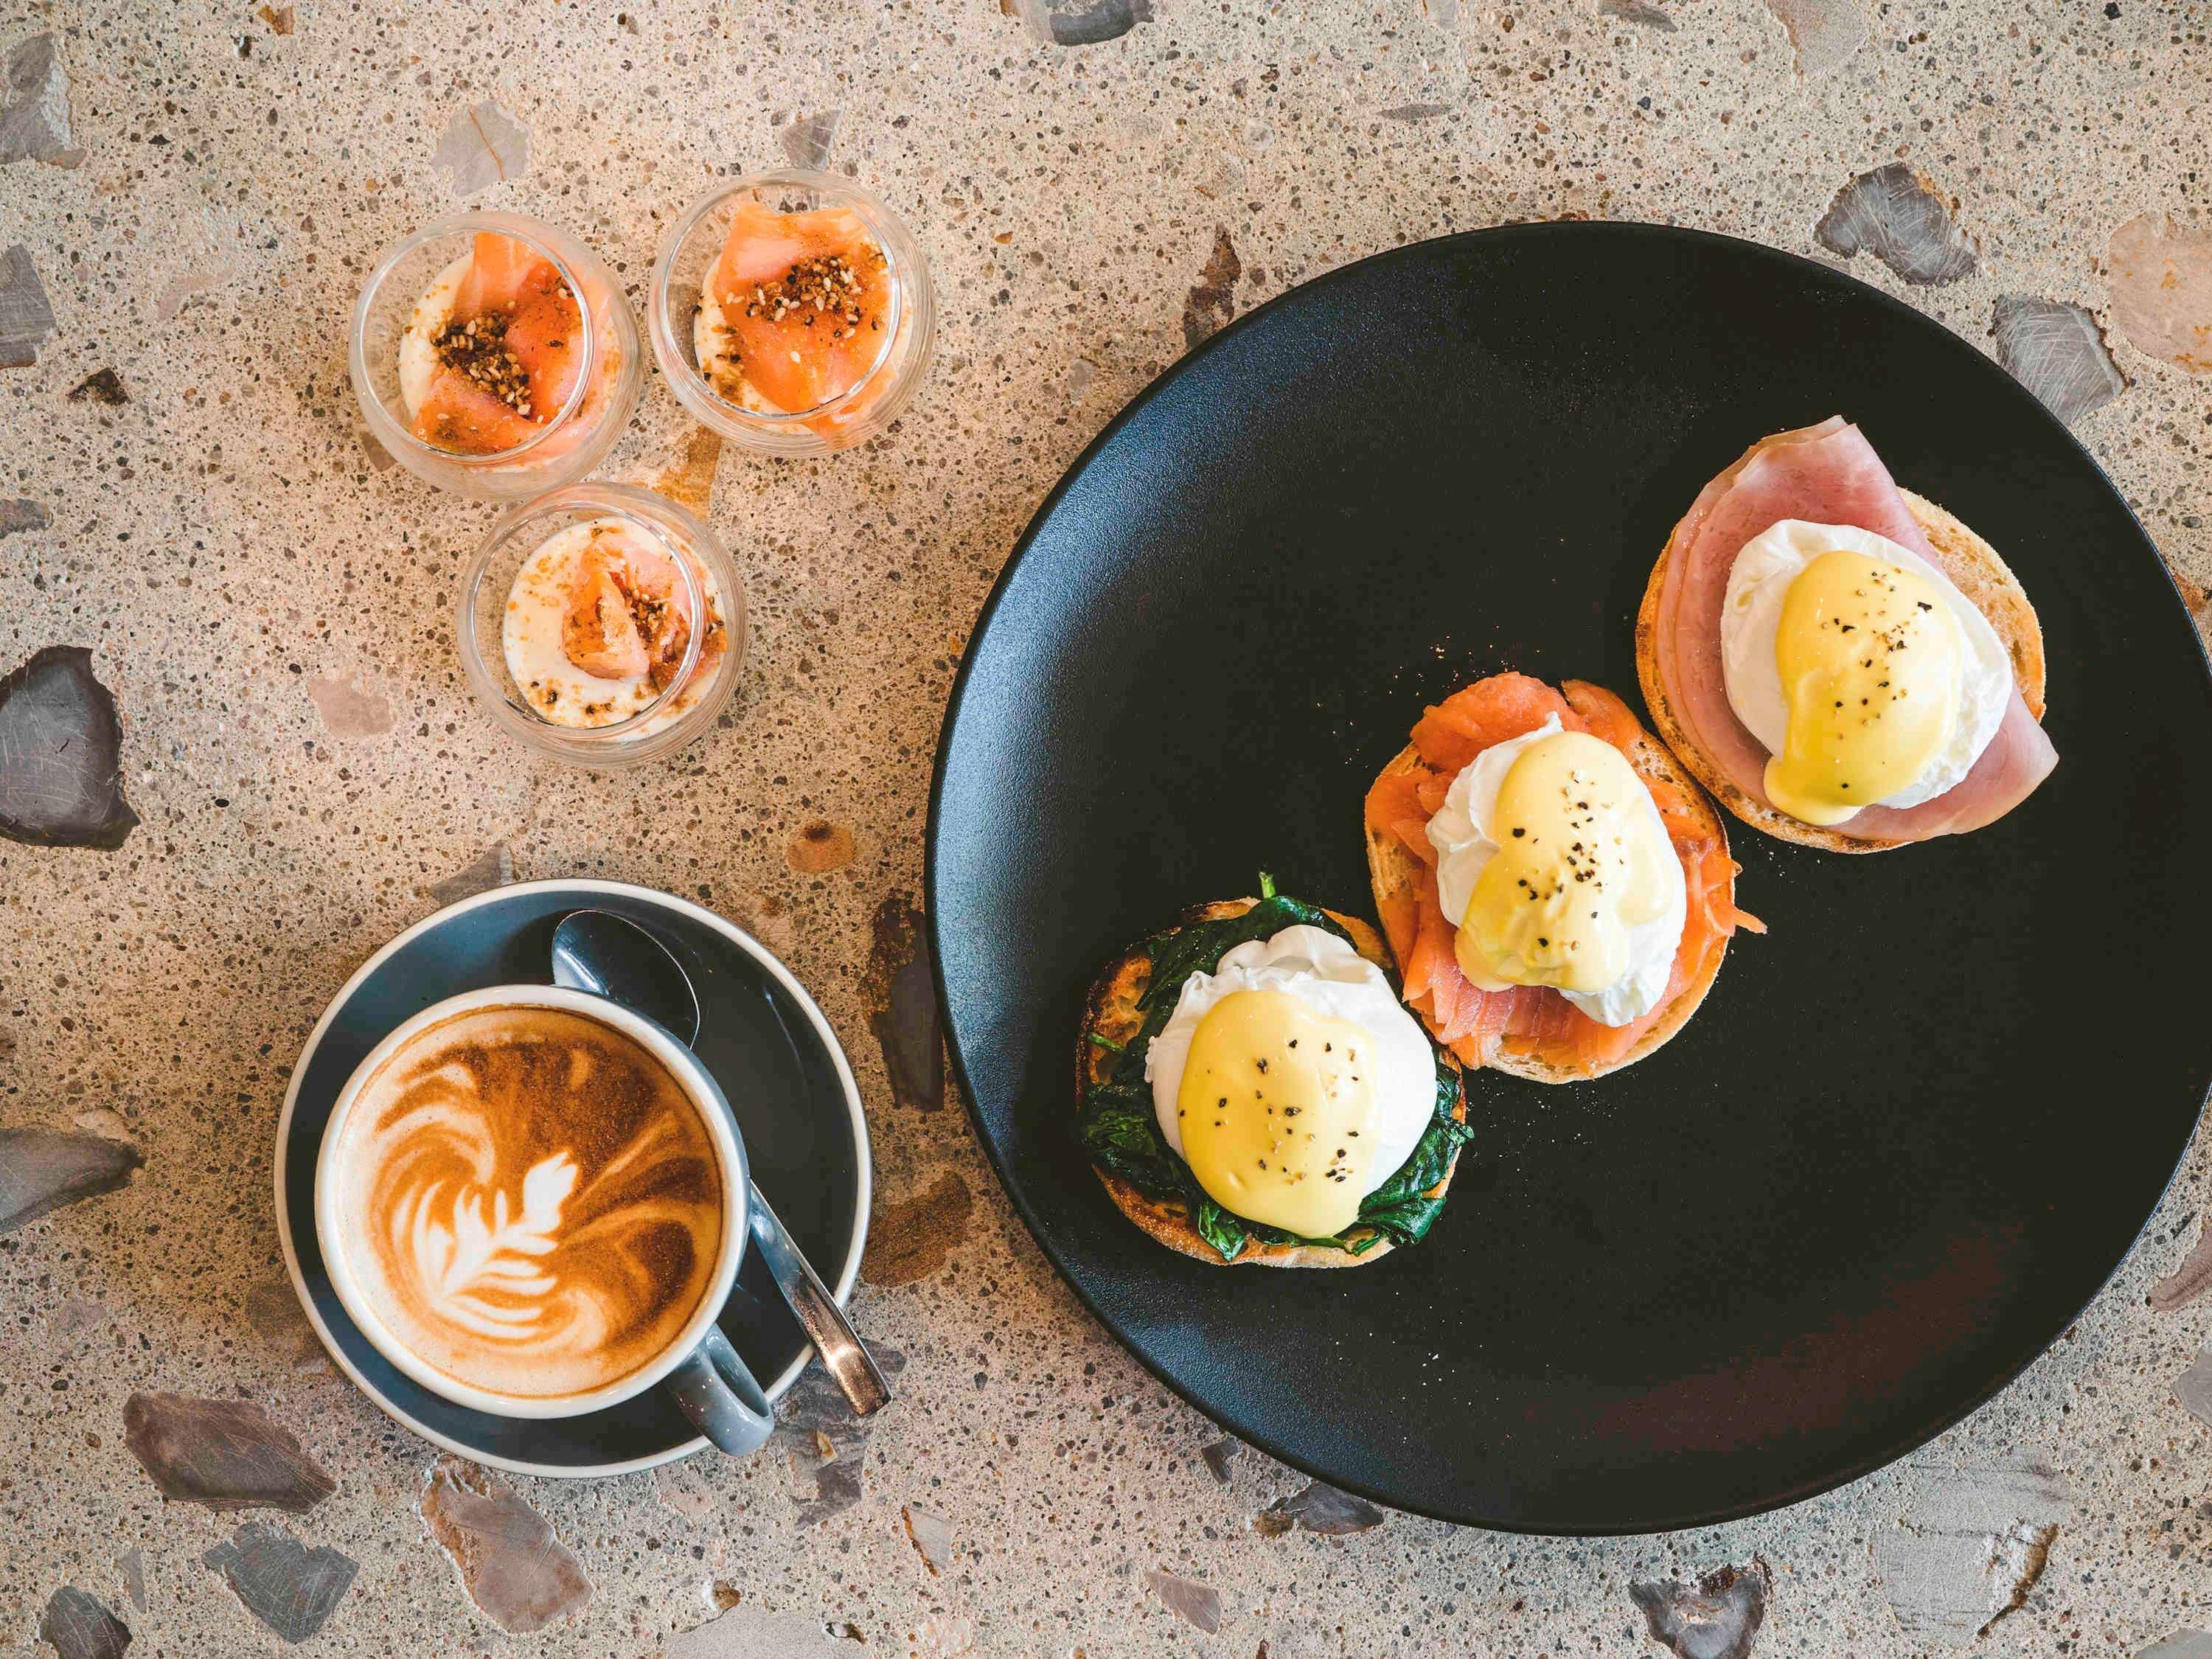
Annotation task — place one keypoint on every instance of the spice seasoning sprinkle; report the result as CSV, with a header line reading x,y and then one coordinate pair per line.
x,y
826,288
478,348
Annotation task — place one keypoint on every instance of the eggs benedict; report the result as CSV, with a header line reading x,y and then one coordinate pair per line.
x,y
1252,1091
1559,896
1844,663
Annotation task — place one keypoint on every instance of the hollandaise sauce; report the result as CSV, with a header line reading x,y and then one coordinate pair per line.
x,y
1278,1112
1871,663
1582,859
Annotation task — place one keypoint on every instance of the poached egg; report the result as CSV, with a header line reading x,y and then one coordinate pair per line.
x,y
1554,865
1869,678
1292,1081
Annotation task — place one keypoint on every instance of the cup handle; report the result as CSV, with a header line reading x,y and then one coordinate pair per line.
x,y
718,1394
844,1355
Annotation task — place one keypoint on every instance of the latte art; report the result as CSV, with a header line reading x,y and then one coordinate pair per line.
x,y
538,1204
459,1253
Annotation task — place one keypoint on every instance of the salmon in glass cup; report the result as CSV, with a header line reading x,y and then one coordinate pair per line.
x,y
792,313
495,356
602,624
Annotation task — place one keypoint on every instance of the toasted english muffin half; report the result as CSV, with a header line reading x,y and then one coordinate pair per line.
x,y
1974,567
1395,874
1110,1011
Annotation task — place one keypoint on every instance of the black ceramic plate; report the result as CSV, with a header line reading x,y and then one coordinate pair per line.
x,y
760,1034
1911,1132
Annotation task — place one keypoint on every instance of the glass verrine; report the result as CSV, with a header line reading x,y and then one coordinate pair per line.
x,y
792,313
494,355
580,627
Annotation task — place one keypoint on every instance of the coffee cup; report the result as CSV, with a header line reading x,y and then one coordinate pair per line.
x,y
534,1202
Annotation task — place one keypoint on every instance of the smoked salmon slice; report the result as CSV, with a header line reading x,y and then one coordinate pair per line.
x,y
629,614
462,416
1533,1021
806,299
1488,712
509,352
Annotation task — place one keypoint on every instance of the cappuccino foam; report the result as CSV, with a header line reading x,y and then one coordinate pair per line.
x,y
533,1203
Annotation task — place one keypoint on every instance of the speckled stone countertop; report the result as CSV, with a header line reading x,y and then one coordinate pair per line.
x,y
193,190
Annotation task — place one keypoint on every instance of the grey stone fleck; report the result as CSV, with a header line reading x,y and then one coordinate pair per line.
x,y
225,1453
2160,277
1972,1546
822,1437
902,995
1218,1454
492,867
1899,216
1444,14
682,1490
2187,1643
1822,33
943,1636
1081,22
483,146
1417,111
1714,1619
291,1589
380,459
1318,1508
80,1626
43,1169
1212,298
74,1317
26,318
2187,1282
272,1309
1198,1603
21,515
513,1568
34,117
932,1536
171,298
61,752
750,1633
808,142
2193,1388
131,1563
102,386
350,709
2055,349
1638,12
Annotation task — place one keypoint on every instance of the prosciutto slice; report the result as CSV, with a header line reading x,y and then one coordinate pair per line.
x,y
1828,474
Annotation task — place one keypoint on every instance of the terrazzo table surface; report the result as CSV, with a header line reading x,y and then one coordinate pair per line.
x,y
270,605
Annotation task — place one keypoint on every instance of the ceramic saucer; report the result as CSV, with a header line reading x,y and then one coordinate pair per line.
x,y
766,1043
